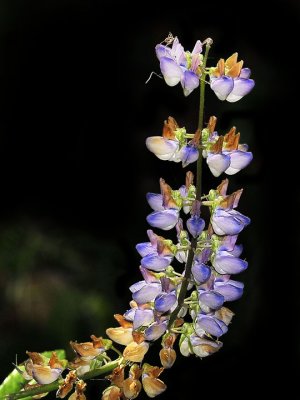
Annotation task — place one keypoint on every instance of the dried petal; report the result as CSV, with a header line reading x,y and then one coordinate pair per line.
x,y
167,357
120,335
135,352
131,388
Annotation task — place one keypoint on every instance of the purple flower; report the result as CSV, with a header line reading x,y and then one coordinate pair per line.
x,y
211,298
195,225
156,330
188,154
167,299
144,292
155,201
229,289
229,80
228,222
164,302
211,325
225,154
179,66
201,272
226,263
142,318
218,163
203,347
164,220
168,213
238,160
157,255
164,149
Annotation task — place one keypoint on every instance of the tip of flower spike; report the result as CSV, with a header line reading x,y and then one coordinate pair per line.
x,y
208,42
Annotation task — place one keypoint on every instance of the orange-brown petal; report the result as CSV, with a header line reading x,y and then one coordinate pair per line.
x,y
44,374
131,388
117,376
169,127
232,60
189,179
36,358
120,335
235,70
97,342
153,387
66,387
212,124
135,352
216,148
166,192
122,321
54,361
86,350
222,188
111,393
167,357
135,371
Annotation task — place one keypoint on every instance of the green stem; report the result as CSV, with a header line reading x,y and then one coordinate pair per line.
x,y
55,385
184,284
200,122
189,263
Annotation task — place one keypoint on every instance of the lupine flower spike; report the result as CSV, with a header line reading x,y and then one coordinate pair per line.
x,y
186,283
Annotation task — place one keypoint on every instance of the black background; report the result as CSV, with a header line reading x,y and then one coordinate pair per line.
x,y
74,115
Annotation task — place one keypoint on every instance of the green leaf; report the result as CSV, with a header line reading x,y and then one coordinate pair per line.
x,y
14,382
61,354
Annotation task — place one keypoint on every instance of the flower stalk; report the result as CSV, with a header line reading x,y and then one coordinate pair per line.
x,y
188,267
207,250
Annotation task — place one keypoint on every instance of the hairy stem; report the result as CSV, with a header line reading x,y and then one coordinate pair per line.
x,y
54,385
189,263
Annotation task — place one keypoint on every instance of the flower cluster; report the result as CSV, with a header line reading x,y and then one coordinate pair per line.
x,y
186,282
181,66
41,369
229,80
223,153
130,387
173,144
216,258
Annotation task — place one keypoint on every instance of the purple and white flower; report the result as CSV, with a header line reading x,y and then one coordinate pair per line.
x,y
156,254
229,80
181,66
210,324
228,222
